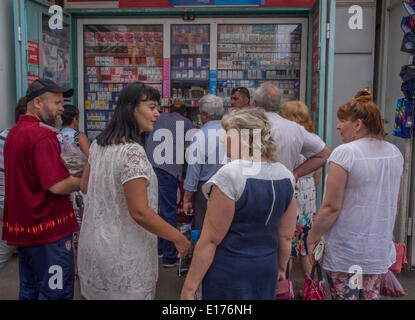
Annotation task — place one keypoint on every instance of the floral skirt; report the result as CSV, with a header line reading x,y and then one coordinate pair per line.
x,y
306,210
342,289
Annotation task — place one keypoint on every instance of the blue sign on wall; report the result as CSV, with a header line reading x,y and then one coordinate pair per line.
x,y
216,2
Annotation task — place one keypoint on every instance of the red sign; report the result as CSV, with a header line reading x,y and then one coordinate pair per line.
x,y
33,52
165,3
289,3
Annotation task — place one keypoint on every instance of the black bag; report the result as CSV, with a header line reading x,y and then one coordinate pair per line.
x,y
408,43
408,73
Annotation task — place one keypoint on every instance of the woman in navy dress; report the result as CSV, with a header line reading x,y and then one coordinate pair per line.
x,y
245,242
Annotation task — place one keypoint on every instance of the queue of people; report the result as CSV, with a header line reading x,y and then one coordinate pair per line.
x,y
250,184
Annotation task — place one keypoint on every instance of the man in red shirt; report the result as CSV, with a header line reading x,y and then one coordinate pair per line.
x,y
38,215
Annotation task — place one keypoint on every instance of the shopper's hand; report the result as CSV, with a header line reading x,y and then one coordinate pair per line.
x,y
311,247
188,207
183,246
295,174
187,294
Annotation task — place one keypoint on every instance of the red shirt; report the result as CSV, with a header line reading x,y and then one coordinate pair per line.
x,y
32,214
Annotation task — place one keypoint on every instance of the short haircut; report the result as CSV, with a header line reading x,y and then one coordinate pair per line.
x,y
244,91
363,108
69,113
268,97
21,108
178,107
213,106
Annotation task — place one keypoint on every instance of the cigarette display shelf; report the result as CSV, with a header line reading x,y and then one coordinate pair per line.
x,y
190,62
249,55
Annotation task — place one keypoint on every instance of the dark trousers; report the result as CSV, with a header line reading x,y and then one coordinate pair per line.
x,y
199,207
47,271
167,186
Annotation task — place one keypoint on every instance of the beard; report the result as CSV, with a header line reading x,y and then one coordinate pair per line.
x,y
52,120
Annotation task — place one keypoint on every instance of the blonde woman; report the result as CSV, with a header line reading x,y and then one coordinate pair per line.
x,y
305,189
245,242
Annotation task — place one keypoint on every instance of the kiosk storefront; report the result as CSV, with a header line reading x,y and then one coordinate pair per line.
x,y
185,49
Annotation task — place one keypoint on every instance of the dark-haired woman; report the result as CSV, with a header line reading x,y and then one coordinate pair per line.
x,y
70,131
358,213
117,253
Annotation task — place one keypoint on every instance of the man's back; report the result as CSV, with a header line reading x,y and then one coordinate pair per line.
x,y
292,140
177,125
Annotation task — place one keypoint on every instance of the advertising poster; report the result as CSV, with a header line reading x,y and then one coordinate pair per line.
x,y
33,52
54,60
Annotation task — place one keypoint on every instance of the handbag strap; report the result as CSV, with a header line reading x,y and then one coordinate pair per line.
x,y
317,267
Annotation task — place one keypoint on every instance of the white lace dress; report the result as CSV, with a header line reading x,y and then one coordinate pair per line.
x,y
117,258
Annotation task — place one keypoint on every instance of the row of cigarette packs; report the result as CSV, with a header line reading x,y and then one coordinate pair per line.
x,y
264,65
190,49
257,74
258,37
126,51
96,125
275,48
100,105
277,58
119,38
189,74
113,61
104,87
122,74
97,115
190,62
104,96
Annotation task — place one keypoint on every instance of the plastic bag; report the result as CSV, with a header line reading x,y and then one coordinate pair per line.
x,y
391,287
400,258
74,163
285,290
313,286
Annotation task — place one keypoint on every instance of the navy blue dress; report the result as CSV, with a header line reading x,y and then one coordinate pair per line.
x,y
245,266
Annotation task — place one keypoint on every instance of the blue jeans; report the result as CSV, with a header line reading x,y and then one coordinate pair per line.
x,y
167,185
47,271
5,251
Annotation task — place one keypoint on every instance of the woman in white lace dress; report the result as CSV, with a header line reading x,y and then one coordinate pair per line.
x,y
118,242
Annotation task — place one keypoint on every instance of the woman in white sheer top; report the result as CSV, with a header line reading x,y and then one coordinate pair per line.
x,y
358,212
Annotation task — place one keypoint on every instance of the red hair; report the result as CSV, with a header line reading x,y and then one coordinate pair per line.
x,y
363,108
